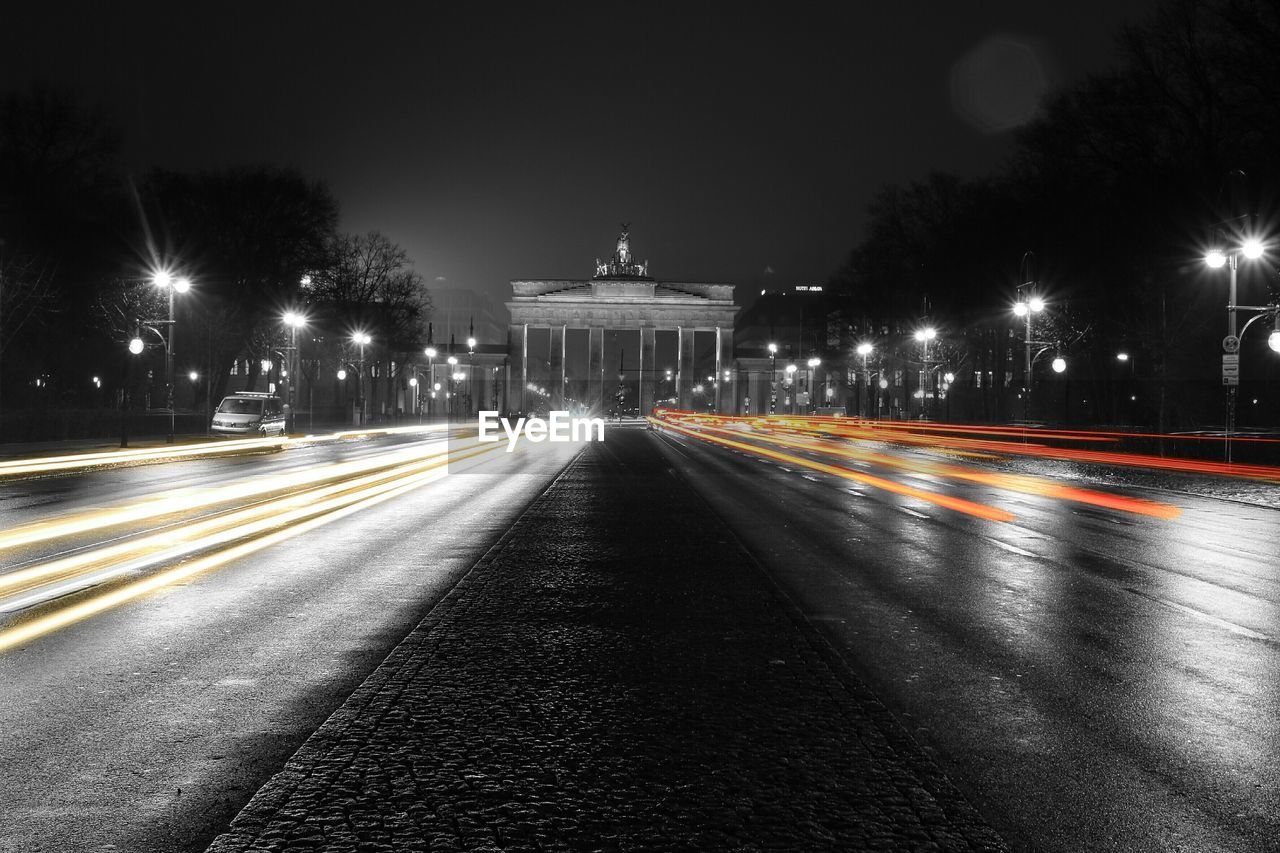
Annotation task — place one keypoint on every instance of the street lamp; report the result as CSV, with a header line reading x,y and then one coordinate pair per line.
x,y
791,373
163,279
925,335
1059,364
1216,258
1027,310
294,321
865,349
453,378
471,358
413,383
361,339
814,361
430,353
135,345
773,378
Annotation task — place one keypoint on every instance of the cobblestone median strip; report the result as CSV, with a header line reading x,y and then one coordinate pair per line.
x,y
615,674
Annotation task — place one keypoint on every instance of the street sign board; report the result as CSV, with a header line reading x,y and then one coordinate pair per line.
x,y
1230,369
1230,344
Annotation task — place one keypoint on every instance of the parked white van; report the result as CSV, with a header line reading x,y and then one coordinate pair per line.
x,y
249,413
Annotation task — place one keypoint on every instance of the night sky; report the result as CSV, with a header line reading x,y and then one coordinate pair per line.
x,y
498,144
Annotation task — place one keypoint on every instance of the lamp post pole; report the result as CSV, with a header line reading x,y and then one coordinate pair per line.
x,y
168,368
1253,249
361,338
471,387
924,335
864,399
431,378
773,378
173,285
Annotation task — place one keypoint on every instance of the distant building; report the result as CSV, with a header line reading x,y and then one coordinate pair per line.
x,y
794,318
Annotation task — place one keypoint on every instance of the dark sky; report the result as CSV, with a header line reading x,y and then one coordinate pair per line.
x,y
502,142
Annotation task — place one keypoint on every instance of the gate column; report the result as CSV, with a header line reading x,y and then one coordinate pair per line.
x,y
686,377
556,359
648,372
595,370
519,335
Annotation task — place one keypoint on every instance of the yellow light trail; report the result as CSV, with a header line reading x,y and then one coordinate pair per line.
x,y
216,447
192,499
185,539
317,516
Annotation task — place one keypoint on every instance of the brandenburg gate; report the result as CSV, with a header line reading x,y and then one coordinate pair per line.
x,y
622,296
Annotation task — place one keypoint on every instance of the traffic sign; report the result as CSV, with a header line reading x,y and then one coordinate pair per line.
x,y
1230,344
1230,369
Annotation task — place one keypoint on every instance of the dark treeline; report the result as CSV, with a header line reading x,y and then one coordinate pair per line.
x,y
1117,189
81,240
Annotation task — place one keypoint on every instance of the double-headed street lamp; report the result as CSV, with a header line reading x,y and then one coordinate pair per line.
x,y
1027,309
1217,257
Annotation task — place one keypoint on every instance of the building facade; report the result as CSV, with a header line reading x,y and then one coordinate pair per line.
x,y
622,296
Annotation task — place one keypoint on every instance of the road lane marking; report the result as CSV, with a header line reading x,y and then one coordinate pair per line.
x,y
910,511
1012,549
811,477
1201,615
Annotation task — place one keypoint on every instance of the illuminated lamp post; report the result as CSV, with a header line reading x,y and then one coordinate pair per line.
x,y
163,279
773,378
865,349
1216,258
925,335
430,352
294,321
361,339
791,374
813,362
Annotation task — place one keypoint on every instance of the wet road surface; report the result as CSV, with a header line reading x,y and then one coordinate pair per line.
x,y
147,724
1092,678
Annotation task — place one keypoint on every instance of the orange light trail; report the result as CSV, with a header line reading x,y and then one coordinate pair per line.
x,y
922,436
1009,482
961,505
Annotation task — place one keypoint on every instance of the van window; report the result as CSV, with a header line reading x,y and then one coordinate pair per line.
x,y
240,406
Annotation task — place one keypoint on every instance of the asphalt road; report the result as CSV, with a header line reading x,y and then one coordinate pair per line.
x,y
146,724
1092,679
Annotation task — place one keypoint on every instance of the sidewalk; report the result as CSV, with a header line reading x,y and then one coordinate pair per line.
x,y
615,674
89,445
